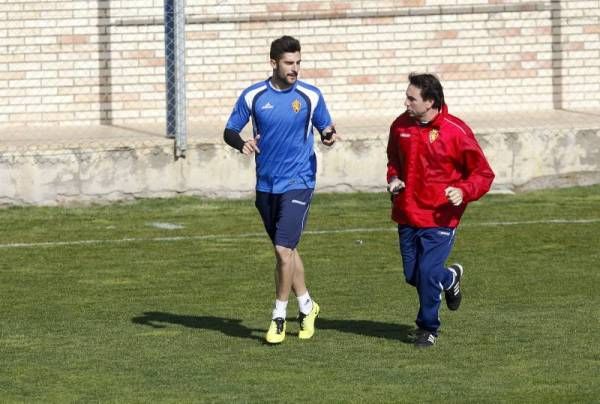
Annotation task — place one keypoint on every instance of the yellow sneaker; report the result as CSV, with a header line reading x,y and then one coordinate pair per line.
x,y
276,332
307,322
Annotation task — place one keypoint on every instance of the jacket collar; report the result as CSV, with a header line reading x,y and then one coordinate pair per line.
x,y
438,119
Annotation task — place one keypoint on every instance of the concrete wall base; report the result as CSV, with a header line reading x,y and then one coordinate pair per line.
x,y
125,163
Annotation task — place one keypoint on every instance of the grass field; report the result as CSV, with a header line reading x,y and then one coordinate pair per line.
x,y
116,304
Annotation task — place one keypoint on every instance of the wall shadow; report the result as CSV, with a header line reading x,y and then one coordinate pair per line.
x,y
104,63
557,53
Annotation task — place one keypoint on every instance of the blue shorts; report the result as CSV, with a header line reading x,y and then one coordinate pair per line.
x,y
284,215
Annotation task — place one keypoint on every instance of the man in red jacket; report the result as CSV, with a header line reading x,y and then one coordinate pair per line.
x,y
435,167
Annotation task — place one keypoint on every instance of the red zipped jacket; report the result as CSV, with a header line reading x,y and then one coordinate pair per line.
x,y
429,158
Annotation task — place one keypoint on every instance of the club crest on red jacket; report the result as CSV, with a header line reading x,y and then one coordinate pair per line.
x,y
433,134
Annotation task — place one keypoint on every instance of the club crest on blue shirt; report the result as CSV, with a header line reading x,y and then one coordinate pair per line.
x,y
433,134
296,105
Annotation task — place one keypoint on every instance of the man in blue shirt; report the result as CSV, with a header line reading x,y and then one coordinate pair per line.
x,y
284,111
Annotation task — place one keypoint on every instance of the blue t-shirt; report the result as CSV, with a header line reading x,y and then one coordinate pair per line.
x,y
284,119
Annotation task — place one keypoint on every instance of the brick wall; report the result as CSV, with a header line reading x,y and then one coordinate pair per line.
x,y
102,62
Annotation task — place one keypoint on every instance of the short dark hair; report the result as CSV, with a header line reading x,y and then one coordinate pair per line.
x,y
283,45
431,88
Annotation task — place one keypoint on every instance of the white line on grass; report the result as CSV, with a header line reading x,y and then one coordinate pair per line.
x,y
261,234
549,221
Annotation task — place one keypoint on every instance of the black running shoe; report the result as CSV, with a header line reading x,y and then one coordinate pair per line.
x,y
425,339
453,294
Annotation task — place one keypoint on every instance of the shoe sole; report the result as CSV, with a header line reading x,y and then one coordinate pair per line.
x,y
461,269
457,267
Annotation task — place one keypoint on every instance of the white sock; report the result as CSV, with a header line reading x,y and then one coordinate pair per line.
x,y
305,303
280,309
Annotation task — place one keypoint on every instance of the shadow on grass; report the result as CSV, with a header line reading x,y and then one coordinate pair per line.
x,y
393,331
228,326
234,327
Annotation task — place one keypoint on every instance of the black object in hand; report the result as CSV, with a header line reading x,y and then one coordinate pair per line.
x,y
327,135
